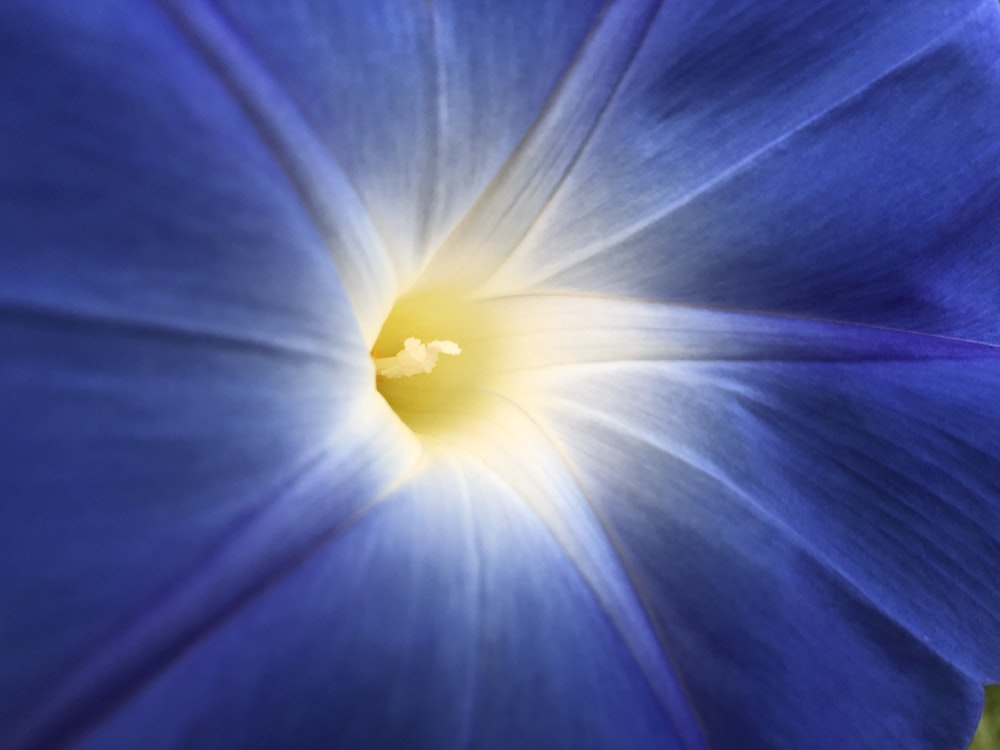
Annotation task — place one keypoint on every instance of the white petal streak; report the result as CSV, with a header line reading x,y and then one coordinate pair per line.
x,y
601,420
855,460
541,260
546,331
326,497
512,202
325,189
547,484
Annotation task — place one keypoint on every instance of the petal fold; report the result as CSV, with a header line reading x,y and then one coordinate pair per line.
x,y
495,225
566,330
179,353
445,618
845,171
807,534
421,103
326,191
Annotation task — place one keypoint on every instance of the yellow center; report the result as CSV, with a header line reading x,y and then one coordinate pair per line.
x,y
434,358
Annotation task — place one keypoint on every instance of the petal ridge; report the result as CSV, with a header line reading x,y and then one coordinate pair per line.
x,y
720,179
467,737
715,473
624,595
243,339
513,201
248,562
565,330
332,201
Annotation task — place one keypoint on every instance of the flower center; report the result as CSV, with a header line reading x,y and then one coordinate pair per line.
x,y
434,359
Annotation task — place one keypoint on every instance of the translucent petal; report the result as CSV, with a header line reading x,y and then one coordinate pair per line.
x,y
140,194
814,538
446,617
566,330
420,103
180,360
509,206
325,190
827,160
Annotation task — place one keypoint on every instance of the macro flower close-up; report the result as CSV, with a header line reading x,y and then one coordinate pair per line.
x,y
493,374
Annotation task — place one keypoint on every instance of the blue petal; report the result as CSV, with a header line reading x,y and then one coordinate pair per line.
x,y
830,160
446,617
509,206
813,535
178,352
140,193
421,103
193,382
563,330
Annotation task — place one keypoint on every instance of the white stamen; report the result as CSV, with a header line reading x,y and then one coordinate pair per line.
x,y
415,358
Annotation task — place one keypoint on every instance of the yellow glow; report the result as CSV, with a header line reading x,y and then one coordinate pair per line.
x,y
458,387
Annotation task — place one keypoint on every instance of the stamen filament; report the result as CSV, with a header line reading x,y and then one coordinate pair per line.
x,y
414,358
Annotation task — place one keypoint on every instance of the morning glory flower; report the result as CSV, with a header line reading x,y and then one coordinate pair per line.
x,y
499,374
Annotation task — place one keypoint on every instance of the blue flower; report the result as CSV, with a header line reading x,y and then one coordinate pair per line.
x,y
498,374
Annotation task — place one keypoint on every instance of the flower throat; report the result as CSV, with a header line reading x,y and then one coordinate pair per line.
x,y
434,358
